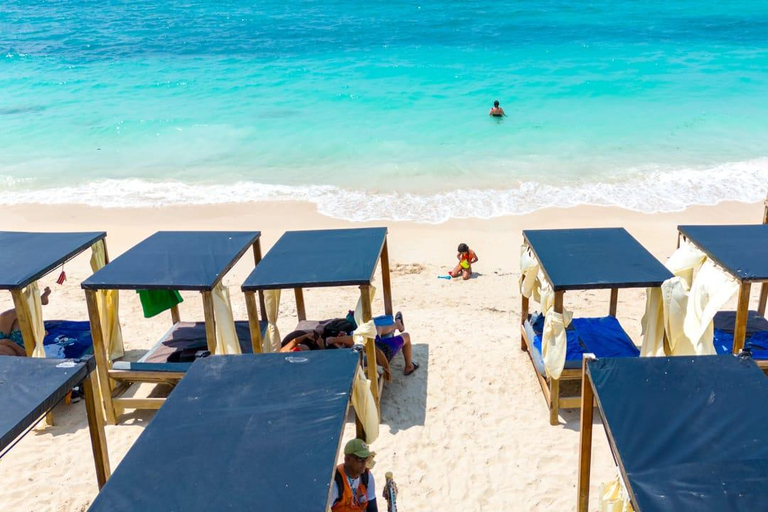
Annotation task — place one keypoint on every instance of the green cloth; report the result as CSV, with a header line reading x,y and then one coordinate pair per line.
x,y
155,302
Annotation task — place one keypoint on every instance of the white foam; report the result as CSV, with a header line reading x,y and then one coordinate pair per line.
x,y
645,190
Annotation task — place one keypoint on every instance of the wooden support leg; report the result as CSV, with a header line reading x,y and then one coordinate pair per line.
x,y
554,401
742,312
96,429
585,440
301,311
103,364
210,321
763,299
385,279
370,347
614,301
523,318
253,322
24,326
175,316
257,260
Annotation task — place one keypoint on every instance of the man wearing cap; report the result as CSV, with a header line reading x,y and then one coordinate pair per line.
x,y
353,489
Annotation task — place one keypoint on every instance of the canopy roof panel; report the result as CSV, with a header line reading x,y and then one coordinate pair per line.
x,y
742,250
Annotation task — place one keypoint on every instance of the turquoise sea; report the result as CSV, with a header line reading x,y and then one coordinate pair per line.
x,y
378,110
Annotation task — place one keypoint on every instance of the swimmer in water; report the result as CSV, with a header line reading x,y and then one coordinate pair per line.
x,y
497,111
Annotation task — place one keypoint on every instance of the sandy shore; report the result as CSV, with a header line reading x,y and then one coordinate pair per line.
x,y
468,432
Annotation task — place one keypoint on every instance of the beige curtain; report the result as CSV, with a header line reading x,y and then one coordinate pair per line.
x,y
108,304
272,302
30,310
365,406
226,334
614,498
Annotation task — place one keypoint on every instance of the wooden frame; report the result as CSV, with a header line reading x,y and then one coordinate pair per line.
x,y
377,384
113,383
585,438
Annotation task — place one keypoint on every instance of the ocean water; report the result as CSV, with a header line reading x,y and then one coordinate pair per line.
x,y
378,110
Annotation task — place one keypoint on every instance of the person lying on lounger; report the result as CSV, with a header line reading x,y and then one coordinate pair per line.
x,y
11,342
324,338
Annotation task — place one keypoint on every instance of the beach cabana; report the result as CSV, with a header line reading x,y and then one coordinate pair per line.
x,y
171,261
561,260
742,252
322,258
26,257
682,440
252,432
31,387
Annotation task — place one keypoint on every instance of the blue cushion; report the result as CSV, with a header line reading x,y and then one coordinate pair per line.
x,y
756,343
67,340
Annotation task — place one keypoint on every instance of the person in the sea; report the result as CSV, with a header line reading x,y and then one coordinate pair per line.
x,y
11,342
466,258
497,111
353,488
337,334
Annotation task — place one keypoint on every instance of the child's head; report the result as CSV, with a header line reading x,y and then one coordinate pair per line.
x,y
463,248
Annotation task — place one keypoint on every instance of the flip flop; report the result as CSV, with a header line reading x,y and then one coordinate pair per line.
x,y
415,367
399,316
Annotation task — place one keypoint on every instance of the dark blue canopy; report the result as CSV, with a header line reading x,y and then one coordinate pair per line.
x,y
688,433
26,257
588,259
740,249
247,432
30,387
176,260
307,259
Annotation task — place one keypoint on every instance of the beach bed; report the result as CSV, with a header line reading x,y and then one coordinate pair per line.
x,y
167,260
31,387
682,440
250,432
742,252
325,258
26,257
585,259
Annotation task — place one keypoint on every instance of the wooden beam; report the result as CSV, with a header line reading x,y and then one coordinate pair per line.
x,y
175,316
25,327
523,318
256,261
742,312
370,347
554,401
385,278
210,321
614,301
103,363
585,439
96,430
300,310
253,322
763,299
140,403
171,378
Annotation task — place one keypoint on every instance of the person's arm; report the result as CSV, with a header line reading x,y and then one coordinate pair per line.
x,y
474,257
490,112
295,341
371,495
340,341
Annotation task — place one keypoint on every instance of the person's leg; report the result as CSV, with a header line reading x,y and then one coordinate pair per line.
x,y
456,272
466,273
408,354
44,296
383,330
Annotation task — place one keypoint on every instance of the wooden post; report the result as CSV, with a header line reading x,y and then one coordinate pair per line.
x,y
742,312
763,299
103,364
585,438
554,384
370,347
210,321
96,430
614,301
256,261
385,278
175,316
523,318
253,322
24,326
300,310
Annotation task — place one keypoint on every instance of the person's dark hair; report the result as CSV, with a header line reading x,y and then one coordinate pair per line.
x,y
463,248
496,103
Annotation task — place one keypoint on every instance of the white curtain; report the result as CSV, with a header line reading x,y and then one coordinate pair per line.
x,y
272,303
365,406
226,334
108,305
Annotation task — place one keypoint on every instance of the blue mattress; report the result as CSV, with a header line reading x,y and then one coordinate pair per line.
x,y
603,337
756,340
67,340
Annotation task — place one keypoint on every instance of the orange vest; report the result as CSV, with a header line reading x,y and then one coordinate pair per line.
x,y
347,502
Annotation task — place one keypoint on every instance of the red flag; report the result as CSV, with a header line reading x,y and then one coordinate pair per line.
x,y
62,277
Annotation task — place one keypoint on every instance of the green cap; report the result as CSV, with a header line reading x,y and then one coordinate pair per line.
x,y
357,447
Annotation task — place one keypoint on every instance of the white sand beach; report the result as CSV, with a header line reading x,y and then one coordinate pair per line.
x,y
469,431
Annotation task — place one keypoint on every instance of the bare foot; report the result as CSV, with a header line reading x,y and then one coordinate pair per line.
x,y
44,295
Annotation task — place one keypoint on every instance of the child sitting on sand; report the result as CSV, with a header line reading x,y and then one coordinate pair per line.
x,y
466,258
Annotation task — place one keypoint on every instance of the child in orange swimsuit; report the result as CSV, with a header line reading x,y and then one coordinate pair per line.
x,y
466,258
